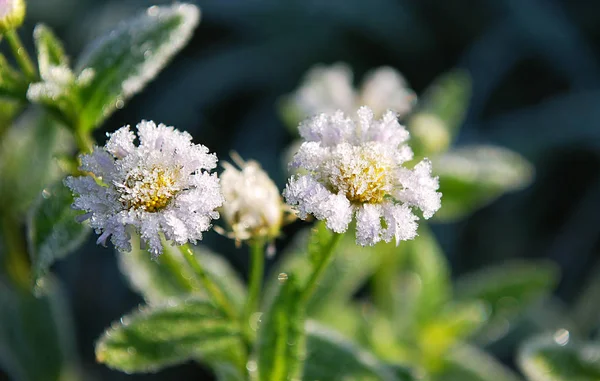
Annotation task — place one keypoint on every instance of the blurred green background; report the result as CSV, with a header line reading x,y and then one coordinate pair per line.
x,y
536,90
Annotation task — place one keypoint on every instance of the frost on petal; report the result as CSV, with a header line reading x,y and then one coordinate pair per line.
x,y
120,142
310,156
401,223
368,225
328,130
158,187
420,188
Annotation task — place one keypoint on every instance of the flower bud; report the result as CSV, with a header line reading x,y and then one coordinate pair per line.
x,y
12,13
253,207
429,134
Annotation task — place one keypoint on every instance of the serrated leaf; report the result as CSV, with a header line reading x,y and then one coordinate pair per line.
x,y
160,336
349,269
467,363
508,291
27,162
50,51
130,56
331,357
281,338
473,176
52,231
170,275
36,342
559,358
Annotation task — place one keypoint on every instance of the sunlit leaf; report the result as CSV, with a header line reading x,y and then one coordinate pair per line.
x,y
557,357
130,56
473,176
52,231
35,334
281,337
331,357
508,291
156,337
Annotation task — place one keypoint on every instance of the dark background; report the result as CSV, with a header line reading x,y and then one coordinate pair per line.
x,y
536,76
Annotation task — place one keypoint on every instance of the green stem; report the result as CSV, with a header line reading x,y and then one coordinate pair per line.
x,y
316,276
84,141
168,260
21,55
256,278
211,288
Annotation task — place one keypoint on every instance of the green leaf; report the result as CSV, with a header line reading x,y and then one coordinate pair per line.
x,y
450,326
49,48
351,266
170,275
281,337
130,56
473,176
467,363
508,291
156,337
559,358
413,281
36,341
331,357
52,229
27,161
440,113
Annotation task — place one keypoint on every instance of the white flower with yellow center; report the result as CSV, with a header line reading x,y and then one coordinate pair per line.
x,y
326,89
253,207
161,186
354,167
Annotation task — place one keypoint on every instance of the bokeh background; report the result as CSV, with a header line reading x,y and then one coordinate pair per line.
x,y
535,67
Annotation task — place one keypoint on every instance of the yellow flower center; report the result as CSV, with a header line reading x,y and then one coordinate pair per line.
x,y
364,180
148,190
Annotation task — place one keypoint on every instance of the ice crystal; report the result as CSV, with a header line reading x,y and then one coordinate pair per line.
x,y
354,167
327,89
162,185
253,208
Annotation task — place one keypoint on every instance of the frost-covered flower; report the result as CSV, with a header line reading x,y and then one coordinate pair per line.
x,y
354,167
253,208
161,186
326,89
12,13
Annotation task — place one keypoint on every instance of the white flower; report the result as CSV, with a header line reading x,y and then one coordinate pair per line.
x,y
353,167
253,205
160,186
58,84
326,89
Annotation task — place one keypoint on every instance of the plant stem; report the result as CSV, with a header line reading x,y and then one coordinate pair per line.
x,y
84,141
212,289
256,278
21,55
316,276
167,259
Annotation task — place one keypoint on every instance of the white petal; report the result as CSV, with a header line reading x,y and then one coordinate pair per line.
x,y
401,222
368,224
420,188
120,143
